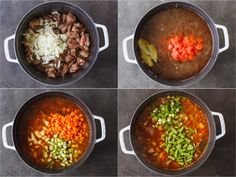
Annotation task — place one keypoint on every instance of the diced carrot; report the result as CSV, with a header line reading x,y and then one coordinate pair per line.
x,y
70,126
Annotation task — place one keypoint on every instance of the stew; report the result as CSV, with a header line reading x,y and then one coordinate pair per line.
x,y
171,132
182,42
56,134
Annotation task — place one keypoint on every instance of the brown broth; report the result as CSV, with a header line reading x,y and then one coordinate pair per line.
x,y
41,112
148,137
170,23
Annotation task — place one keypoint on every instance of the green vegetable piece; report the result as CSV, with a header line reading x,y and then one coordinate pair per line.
x,y
170,157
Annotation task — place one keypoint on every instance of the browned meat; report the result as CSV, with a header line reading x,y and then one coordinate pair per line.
x,y
72,44
64,70
82,30
57,18
64,18
72,34
74,56
70,18
74,68
34,23
86,48
70,64
84,40
80,61
87,41
62,56
73,52
69,27
64,28
51,71
68,58
78,25
74,28
84,53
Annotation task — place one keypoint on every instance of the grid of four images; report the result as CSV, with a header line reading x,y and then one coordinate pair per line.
x,y
117,88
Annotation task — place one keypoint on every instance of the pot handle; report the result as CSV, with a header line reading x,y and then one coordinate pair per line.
x,y
103,128
106,36
4,136
222,124
226,37
6,49
122,142
125,49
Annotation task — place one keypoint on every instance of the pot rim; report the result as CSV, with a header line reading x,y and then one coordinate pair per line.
x,y
92,130
208,149
41,81
211,61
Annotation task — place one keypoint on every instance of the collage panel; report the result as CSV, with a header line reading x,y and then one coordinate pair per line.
x,y
96,68
212,23
139,153
117,88
26,108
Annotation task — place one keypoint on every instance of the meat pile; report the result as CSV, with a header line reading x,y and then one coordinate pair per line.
x,y
76,54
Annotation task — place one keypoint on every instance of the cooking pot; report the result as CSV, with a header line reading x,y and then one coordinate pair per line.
x,y
48,8
211,139
215,43
19,121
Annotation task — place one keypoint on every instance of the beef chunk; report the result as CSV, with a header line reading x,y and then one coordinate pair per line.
x,y
70,18
64,70
80,61
84,53
51,71
68,58
74,67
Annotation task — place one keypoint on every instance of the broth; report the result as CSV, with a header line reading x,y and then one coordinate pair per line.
x,y
181,23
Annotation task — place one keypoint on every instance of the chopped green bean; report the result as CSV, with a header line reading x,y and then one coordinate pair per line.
x,y
177,144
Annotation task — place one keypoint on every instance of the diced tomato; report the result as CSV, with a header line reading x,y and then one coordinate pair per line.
x,y
185,48
175,54
170,46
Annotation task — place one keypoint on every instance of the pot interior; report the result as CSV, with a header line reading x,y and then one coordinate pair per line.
x,y
165,171
48,8
178,77
23,125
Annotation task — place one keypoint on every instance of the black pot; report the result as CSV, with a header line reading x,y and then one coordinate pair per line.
x,y
215,42
18,125
211,139
48,8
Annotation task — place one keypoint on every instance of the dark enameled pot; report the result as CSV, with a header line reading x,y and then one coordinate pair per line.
x,y
211,139
19,120
215,42
48,8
